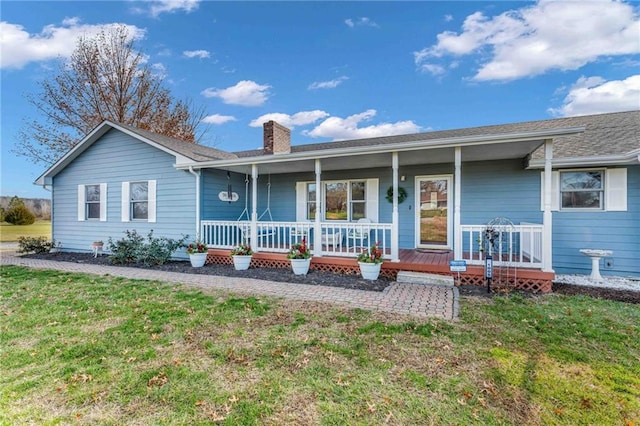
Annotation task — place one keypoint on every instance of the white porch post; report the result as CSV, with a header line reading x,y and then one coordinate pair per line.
x,y
457,189
254,207
198,193
394,215
317,231
547,242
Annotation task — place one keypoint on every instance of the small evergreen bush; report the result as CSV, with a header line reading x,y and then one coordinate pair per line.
x,y
19,215
134,248
35,245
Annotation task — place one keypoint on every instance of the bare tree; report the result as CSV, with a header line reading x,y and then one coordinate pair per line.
x,y
106,78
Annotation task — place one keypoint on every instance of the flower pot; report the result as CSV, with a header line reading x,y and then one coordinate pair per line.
x,y
370,271
241,263
198,259
300,266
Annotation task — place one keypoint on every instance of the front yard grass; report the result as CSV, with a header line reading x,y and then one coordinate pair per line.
x,y
10,233
102,350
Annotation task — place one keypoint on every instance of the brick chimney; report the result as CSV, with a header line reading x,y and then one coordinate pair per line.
x,y
277,138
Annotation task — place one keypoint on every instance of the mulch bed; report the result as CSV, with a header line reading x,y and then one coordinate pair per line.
x,y
338,280
354,282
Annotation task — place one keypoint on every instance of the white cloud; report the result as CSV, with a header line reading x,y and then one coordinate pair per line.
x,y
331,84
18,47
533,40
448,18
171,6
347,128
158,69
196,54
361,22
298,119
595,95
218,119
245,93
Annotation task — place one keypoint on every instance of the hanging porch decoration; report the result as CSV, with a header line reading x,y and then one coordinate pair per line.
x,y
402,194
228,195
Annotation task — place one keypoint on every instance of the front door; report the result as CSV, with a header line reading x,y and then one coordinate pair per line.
x,y
433,218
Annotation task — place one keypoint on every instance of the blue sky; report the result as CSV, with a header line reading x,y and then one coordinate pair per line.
x,y
339,70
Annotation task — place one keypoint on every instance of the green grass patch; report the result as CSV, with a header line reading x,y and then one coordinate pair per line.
x,y
10,233
85,349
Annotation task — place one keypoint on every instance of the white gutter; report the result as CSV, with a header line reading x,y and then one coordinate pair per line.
x,y
387,148
604,160
197,175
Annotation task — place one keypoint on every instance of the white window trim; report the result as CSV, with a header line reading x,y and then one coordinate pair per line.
x,y
82,202
371,198
151,201
614,189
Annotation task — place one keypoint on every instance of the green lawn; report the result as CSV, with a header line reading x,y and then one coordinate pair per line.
x,y
102,350
10,232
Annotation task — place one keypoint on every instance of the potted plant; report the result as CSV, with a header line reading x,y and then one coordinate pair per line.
x,y
370,262
300,257
241,256
197,252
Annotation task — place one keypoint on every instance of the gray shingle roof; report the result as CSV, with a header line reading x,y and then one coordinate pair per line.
x,y
605,134
190,150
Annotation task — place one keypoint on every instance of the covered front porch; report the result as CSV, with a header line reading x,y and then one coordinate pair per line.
x,y
441,177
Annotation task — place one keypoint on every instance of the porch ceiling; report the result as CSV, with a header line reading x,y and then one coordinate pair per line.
x,y
417,156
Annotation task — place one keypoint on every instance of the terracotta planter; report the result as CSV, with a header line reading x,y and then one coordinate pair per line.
x,y
370,271
198,259
300,266
241,263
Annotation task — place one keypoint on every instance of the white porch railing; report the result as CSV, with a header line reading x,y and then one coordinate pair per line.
x,y
517,245
338,239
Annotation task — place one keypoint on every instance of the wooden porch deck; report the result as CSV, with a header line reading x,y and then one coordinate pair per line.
x,y
427,261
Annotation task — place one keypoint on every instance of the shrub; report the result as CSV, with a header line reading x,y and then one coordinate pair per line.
x,y
19,215
35,245
134,248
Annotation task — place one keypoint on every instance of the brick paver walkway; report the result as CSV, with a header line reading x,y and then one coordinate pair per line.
x,y
413,299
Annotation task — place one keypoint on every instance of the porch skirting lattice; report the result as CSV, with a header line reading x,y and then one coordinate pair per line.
x,y
526,279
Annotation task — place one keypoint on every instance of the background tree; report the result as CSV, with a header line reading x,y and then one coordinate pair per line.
x,y
106,78
18,213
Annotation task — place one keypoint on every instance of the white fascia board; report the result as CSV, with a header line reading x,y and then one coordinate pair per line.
x,y
88,140
386,148
602,160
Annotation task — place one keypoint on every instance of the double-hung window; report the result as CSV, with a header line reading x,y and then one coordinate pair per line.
x,y
582,189
92,202
347,200
139,201
587,190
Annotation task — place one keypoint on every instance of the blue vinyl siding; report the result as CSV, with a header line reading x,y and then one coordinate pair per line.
x,y
114,158
616,231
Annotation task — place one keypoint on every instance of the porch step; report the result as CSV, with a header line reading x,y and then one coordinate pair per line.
x,y
410,277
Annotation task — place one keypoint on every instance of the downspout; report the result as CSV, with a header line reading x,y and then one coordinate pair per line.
x,y
44,186
197,175
547,217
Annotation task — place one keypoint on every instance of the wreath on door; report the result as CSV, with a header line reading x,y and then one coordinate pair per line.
x,y
402,194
